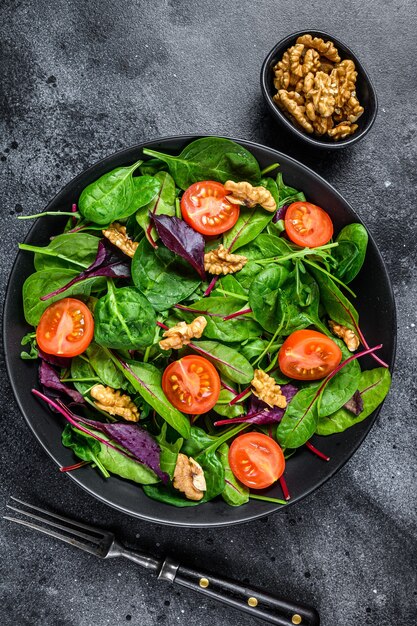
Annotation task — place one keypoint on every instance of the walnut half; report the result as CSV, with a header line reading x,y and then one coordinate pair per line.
x,y
115,403
245,193
349,336
267,390
117,235
220,261
181,334
189,477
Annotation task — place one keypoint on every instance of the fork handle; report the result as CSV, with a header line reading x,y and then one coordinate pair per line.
x,y
252,601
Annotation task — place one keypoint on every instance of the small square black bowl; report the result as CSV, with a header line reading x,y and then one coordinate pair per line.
x,y
364,88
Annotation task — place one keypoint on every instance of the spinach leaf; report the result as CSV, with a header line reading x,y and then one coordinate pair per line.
x,y
80,368
109,197
210,158
84,447
124,318
197,441
223,406
41,283
146,380
227,360
250,223
341,387
162,204
145,190
74,251
168,495
351,251
161,276
104,367
265,296
234,493
335,302
169,451
300,419
266,246
213,473
373,386
151,167
287,194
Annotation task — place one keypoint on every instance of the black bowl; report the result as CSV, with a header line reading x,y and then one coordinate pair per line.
x,y
305,472
364,89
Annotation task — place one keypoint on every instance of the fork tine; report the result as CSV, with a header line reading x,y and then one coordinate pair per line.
x,y
72,531
52,533
77,524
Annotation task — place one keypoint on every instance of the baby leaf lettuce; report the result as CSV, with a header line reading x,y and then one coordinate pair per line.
x,y
109,197
210,158
164,278
373,386
124,318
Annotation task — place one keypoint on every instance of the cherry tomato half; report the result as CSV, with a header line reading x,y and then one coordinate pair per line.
x,y
191,384
204,206
308,225
308,355
66,328
256,460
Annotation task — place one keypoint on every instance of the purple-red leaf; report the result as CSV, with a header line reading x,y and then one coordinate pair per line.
x,y
181,239
280,214
49,380
52,359
355,404
108,262
261,413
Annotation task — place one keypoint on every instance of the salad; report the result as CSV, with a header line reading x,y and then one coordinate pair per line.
x,y
194,325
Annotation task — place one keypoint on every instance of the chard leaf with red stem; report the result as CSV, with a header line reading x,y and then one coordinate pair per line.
x,y
50,381
181,239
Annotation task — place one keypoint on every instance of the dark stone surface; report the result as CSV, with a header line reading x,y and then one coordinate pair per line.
x,y
83,79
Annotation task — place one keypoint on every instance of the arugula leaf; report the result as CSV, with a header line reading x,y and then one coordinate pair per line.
x,y
373,386
210,158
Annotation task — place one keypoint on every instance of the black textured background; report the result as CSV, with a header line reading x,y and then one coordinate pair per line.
x,y
81,79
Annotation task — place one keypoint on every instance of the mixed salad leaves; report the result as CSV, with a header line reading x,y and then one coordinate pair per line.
x,y
194,337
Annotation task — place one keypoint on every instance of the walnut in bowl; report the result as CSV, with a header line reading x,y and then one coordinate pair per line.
x,y
318,89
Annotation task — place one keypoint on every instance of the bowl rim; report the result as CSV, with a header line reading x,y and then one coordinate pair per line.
x,y
313,141
269,508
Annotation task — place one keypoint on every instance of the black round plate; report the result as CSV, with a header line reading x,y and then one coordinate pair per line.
x,y
304,472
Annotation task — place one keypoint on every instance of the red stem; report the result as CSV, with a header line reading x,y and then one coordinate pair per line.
x,y
228,388
74,210
211,286
314,450
237,314
239,396
161,325
181,307
345,362
365,343
284,488
71,468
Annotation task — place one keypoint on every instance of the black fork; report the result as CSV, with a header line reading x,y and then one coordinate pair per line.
x,y
104,544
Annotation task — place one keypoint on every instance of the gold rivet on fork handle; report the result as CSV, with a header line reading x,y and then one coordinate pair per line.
x,y
296,619
204,582
252,602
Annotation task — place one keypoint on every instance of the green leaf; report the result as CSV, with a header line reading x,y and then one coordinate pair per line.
x,y
109,197
210,158
146,380
300,419
341,387
123,466
234,493
351,251
164,278
104,367
145,190
168,495
336,304
80,368
162,204
288,195
227,360
74,251
124,318
41,283
250,224
169,451
84,447
213,473
266,297
373,386
223,406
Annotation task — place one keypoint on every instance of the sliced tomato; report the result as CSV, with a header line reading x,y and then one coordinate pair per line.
x,y
308,225
204,206
191,384
66,328
308,355
256,460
